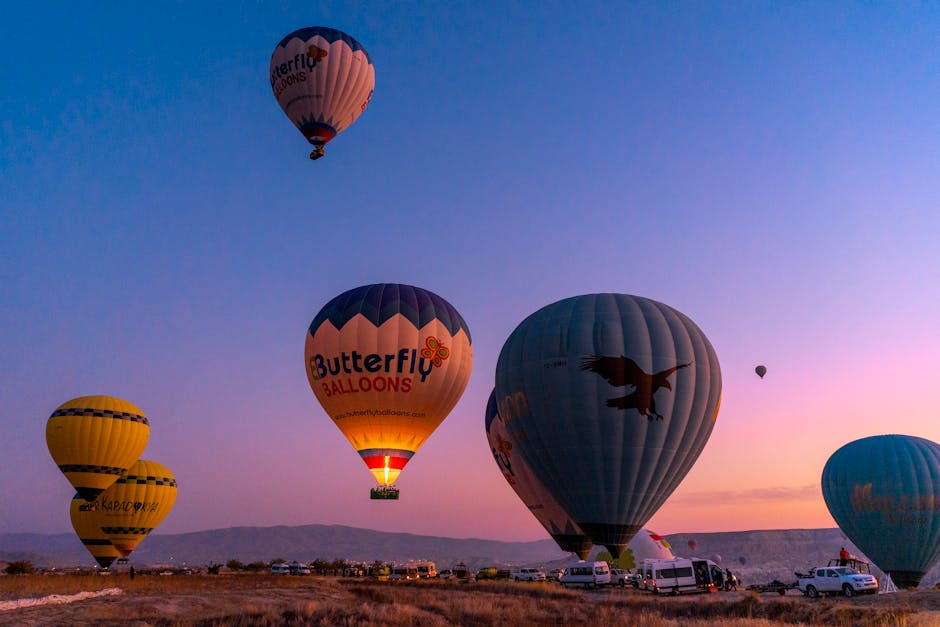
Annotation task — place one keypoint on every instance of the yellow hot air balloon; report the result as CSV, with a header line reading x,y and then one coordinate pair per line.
x,y
137,502
86,523
388,362
95,439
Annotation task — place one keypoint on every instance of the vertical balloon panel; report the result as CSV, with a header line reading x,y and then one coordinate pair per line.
x,y
611,398
884,493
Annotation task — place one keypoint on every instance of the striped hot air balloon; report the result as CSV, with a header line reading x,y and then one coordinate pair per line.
x,y
388,362
137,502
87,526
610,399
95,439
323,80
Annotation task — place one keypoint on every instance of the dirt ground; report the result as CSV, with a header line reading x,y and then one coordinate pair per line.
x,y
272,600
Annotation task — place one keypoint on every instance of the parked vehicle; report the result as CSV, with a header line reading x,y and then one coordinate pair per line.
x,y
426,570
404,572
446,574
296,568
280,569
554,574
826,580
682,574
623,578
528,574
462,573
586,574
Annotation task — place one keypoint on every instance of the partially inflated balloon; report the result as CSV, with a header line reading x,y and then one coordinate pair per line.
x,y
543,506
645,544
610,399
137,502
761,371
95,439
323,80
388,362
87,526
884,493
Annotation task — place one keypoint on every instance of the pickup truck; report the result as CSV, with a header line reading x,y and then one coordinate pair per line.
x,y
528,574
828,580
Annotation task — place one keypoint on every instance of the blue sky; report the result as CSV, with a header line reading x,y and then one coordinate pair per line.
x,y
769,169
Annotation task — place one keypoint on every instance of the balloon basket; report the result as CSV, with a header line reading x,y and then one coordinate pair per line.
x,y
317,153
384,493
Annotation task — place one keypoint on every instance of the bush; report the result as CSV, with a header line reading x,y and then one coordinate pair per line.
x,y
235,565
213,569
19,568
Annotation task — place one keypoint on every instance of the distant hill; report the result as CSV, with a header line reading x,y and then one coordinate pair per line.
x,y
756,556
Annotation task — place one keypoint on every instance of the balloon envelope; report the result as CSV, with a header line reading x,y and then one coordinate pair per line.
x,y
87,526
137,502
693,544
761,371
388,362
610,399
884,493
645,544
322,79
95,439
543,506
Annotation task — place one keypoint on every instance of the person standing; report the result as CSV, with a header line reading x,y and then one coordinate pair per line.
x,y
843,557
133,573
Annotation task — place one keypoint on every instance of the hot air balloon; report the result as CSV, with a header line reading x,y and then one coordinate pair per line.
x,y
94,439
645,545
693,544
85,522
137,502
388,362
536,498
609,399
884,493
742,560
761,371
323,80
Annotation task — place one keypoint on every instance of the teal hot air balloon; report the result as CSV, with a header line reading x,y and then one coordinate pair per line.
x,y
610,399
536,498
884,493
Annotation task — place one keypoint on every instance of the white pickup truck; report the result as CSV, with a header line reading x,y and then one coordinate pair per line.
x,y
828,580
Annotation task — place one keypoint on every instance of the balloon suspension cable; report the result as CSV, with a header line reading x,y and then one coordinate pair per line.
x,y
316,153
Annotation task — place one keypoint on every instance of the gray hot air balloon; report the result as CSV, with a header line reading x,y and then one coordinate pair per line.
x,y
761,371
884,492
537,499
609,399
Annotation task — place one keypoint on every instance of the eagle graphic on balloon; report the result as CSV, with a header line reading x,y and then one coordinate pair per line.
x,y
623,371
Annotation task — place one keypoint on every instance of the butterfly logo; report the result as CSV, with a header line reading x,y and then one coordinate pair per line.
x,y
434,351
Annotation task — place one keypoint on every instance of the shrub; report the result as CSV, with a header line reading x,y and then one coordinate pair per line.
x,y
19,568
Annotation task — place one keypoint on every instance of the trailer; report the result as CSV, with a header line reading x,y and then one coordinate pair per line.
x,y
774,586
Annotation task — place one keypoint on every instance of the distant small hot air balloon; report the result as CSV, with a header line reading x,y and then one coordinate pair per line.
x,y
137,502
609,399
95,439
761,371
323,80
742,560
85,522
388,362
693,544
884,493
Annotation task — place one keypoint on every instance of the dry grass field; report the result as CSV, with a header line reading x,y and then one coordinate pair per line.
x,y
270,600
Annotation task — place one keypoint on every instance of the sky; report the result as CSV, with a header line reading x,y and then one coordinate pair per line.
x,y
770,169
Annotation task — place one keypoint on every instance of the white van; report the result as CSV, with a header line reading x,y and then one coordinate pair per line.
x,y
681,574
587,574
280,569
